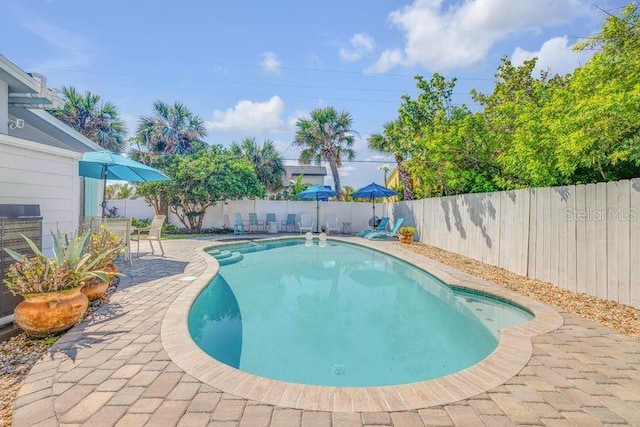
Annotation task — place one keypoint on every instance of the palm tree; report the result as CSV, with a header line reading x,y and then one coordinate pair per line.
x,y
95,119
267,161
326,136
172,129
389,142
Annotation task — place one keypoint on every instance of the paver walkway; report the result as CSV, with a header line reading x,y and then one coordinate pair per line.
x,y
112,370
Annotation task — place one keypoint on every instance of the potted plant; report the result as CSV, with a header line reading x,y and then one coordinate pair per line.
x,y
406,234
51,286
104,246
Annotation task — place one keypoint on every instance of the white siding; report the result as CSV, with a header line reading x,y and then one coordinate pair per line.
x,y
32,173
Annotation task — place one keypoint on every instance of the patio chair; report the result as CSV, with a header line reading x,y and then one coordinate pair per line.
x,y
152,232
90,223
333,225
271,223
382,225
306,223
386,234
238,226
121,227
255,225
289,223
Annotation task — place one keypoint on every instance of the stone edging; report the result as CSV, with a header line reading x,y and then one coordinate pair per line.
x,y
514,350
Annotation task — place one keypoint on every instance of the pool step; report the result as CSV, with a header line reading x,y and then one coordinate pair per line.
x,y
222,255
232,259
214,252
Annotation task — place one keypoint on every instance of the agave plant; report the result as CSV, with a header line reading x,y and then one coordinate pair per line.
x,y
70,265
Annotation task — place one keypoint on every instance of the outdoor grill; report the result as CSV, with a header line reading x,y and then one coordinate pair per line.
x,y
16,220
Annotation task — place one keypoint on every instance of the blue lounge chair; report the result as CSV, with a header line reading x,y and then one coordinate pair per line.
x,y
238,226
382,225
384,234
289,223
255,225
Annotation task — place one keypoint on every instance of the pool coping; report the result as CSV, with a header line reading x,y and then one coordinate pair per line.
x,y
513,352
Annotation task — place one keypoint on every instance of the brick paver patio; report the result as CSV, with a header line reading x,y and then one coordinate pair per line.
x,y
112,369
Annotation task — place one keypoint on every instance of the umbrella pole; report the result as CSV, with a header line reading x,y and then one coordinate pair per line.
x,y
104,190
374,211
317,213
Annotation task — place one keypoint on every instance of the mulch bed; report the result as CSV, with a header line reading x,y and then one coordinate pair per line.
x,y
617,316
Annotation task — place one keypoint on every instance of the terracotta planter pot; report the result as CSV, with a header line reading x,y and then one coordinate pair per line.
x,y
406,238
111,270
46,313
94,288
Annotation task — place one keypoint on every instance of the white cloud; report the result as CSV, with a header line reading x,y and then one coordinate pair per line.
x,y
270,63
360,45
250,116
442,36
555,55
74,50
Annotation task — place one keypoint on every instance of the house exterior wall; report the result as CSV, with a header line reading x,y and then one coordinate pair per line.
x,y
33,173
4,107
312,175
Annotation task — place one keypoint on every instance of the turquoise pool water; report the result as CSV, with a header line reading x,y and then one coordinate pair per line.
x,y
341,315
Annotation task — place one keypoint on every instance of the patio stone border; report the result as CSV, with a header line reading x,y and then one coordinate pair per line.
x,y
514,350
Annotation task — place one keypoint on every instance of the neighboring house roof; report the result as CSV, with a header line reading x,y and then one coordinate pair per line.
x,y
26,94
306,170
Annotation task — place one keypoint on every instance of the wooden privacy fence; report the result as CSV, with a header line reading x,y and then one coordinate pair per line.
x,y
585,238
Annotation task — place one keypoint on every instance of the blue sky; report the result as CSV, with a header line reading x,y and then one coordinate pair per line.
x,y
250,68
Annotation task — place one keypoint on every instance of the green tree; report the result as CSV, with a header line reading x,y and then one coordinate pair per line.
x,y
326,135
94,118
171,129
390,142
267,161
120,191
201,179
517,126
453,156
599,134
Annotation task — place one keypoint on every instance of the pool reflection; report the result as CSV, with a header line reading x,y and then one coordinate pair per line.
x,y
219,323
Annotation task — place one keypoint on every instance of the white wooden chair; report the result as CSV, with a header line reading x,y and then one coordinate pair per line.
x,y
333,225
306,224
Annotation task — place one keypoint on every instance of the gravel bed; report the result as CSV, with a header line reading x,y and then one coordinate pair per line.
x,y
19,353
622,318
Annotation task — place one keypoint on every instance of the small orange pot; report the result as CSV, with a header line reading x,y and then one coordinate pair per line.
x,y
406,238
94,288
111,270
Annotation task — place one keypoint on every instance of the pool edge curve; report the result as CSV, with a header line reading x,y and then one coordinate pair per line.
x,y
513,352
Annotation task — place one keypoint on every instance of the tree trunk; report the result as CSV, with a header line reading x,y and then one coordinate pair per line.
x,y
405,178
336,177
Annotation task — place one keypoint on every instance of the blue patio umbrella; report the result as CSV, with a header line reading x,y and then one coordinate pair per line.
x,y
373,191
107,165
317,192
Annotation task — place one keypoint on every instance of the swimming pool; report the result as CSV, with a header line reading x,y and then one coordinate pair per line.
x,y
341,315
